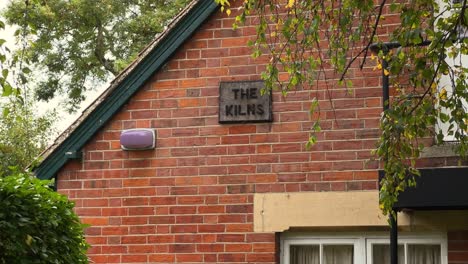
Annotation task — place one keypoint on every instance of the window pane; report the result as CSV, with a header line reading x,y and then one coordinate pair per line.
x,y
338,254
424,254
381,254
304,254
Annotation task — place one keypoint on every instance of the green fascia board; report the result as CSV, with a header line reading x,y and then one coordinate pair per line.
x,y
156,58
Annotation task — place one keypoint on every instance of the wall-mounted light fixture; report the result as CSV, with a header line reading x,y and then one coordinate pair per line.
x,y
138,139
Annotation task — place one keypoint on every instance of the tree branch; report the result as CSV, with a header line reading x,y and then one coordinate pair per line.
x,y
366,49
99,51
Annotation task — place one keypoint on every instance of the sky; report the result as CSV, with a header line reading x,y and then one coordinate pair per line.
x,y
65,119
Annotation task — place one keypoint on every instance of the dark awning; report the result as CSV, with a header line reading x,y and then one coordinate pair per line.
x,y
436,189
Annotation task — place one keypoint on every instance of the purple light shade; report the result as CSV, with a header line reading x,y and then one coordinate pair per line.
x,y
138,139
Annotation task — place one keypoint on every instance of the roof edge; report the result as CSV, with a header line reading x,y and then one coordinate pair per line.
x,y
124,87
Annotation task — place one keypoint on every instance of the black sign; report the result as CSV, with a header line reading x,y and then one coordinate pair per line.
x,y
241,102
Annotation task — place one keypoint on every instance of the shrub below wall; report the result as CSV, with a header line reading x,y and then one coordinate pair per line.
x,y
37,224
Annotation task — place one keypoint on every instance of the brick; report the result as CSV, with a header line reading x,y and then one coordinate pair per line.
x,y
134,258
365,175
162,258
88,211
184,228
210,248
261,257
212,189
70,184
239,228
292,177
114,211
184,190
338,176
163,200
114,231
141,211
142,163
135,201
158,220
95,220
135,182
235,247
209,258
214,53
141,249
143,191
230,238
96,240
245,169
233,209
146,229
116,192
232,199
211,209
183,210
236,189
211,228
137,220
211,199
161,239
184,219
190,200
93,231
235,139
231,257
189,258
264,247
233,179
188,238
348,165
260,237
213,170
99,259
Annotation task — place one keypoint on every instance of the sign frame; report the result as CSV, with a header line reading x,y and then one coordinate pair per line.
x,y
236,96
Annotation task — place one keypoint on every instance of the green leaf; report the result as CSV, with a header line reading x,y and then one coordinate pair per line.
x,y
26,70
6,112
5,73
7,89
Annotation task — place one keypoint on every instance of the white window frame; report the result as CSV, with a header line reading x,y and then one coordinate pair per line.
x,y
321,241
412,240
445,82
362,243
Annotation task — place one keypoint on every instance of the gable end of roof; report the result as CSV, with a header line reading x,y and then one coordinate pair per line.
x,y
141,72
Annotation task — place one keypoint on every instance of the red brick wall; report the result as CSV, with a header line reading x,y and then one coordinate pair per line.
x,y
191,199
458,247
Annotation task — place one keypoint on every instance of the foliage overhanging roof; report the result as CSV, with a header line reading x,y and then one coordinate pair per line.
x,y
121,89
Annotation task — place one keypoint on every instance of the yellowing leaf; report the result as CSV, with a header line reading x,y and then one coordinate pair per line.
x,y
290,3
29,240
443,94
433,87
386,72
228,12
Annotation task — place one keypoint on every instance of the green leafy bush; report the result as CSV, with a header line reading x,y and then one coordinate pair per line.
x,y
38,225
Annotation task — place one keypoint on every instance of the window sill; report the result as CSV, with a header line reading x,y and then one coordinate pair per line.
x,y
441,151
